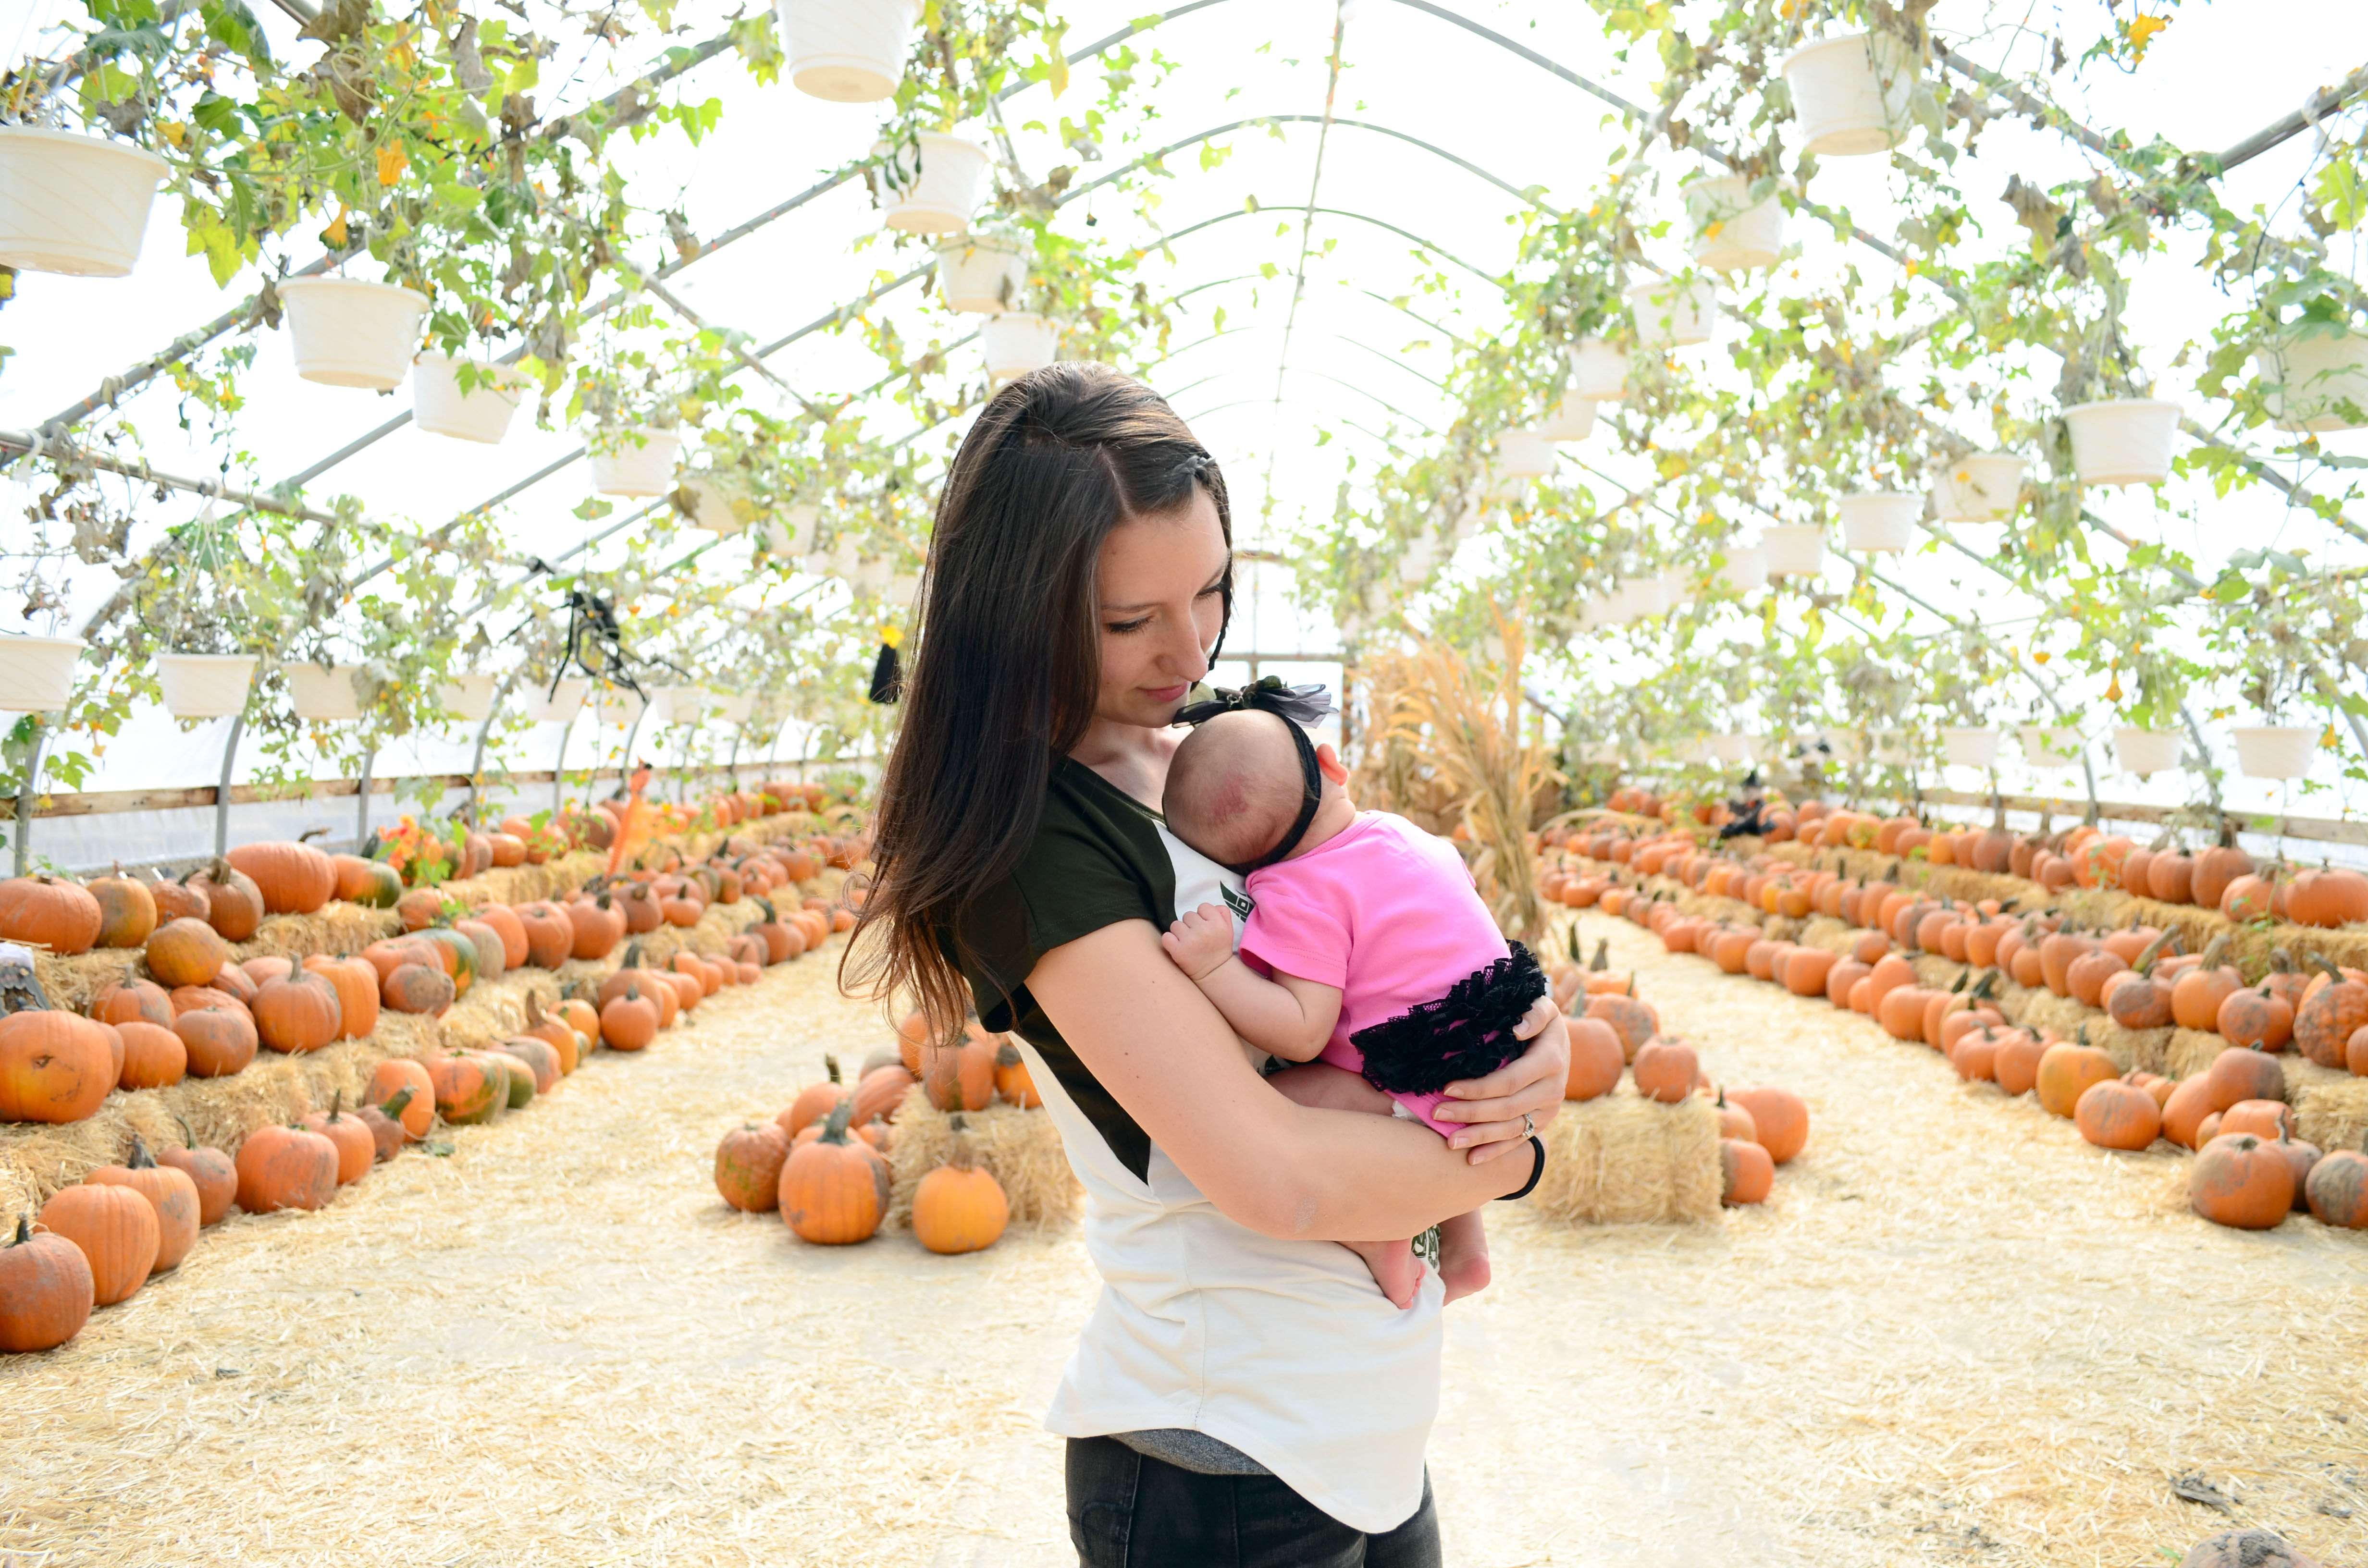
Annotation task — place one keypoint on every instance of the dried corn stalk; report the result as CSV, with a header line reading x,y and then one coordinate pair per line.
x,y
1449,743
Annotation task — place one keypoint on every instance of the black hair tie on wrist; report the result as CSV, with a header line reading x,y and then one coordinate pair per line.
x,y
1297,707
1535,1172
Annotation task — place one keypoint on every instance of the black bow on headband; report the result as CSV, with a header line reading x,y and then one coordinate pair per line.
x,y
1297,707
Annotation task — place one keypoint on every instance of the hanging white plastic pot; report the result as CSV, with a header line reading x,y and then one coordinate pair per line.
x,y
902,590
1595,612
204,686
2274,751
1523,454
1673,314
1645,599
1731,232
1572,419
36,673
348,333
679,704
617,708
554,704
2306,381
1728,748
2127,441
482,414
732,707
2051,745
982,274
707,502
1599,371
637,462
1745,570
1843,745
850,51
937,184
1850,92
1981,488
74,204
324,695
1794,549
1969,746
2146,752
467,697
1678,589
1016,342
1880,519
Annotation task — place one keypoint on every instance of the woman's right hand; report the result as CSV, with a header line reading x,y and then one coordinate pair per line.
x,y
1501,1109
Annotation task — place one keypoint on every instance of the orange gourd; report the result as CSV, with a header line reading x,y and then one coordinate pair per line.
x,y
1595,1059
117,1230
170,1194
958,1207
153,1056
286,1168
46,1290
2065,1072
748,1167
834,1191
54,1066
2114,1114
1781,1117
2243,1183
1017,1086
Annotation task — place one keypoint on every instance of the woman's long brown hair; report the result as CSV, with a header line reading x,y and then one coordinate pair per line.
x,y
1007,666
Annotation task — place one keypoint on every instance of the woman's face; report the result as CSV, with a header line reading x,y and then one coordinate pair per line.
x,y
1160,610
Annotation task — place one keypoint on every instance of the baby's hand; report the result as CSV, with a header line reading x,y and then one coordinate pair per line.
x,y
1201,940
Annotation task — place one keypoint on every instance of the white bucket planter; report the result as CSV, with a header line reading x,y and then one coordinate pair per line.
x,y
1850,94
1643,599
617,708
2274,751
554,704
1731,747
1573,419
204,686
1595,612
2306,381
1844,746
1674,315
483,414
982,274
36,673
1599,371
1969,746
708,504
679,704
74,204
1678,589
1523,454
1880,519
850,51
1794,549
2124,442
324,695
468,699
903,590
1016,342
637,462
1977,489
733,706
1891,747
2051,745
2146,752
1745,570
1732,233
348,333
940,187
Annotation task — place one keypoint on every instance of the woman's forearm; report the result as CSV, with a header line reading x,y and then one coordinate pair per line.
x,y
1355,1177
1264,1012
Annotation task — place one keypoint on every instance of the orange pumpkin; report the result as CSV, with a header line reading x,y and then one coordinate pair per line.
x,y
127,910
50,912
356,984
170,1194
2337,1192
350,1135
959,1076
958,1207
286,1168
1665,1071
153,1056
117,1230
2332,1011
1780,1117
233,903
1595,1057
2113,1114
419,988
748,1167
220,1040
185,952
880,1093
2259,1019
46,1290
1747,1172
2065,1072
470,1087
299,1014
2243,1183
630,1020
291,878
54,1066
373,884
834,1191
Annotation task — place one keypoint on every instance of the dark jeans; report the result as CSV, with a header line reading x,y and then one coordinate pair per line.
x,y
1129,1510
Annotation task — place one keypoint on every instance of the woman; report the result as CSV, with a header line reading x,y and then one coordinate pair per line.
x,y
1242,1392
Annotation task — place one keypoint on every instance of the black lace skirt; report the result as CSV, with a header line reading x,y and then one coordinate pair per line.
x,y
1465,1034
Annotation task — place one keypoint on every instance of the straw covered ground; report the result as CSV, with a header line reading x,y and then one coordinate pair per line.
x,y
1955,1335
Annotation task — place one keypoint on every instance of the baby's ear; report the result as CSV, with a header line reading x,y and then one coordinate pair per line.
x,y
1327,762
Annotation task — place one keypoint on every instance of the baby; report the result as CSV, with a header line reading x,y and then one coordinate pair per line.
x,y
1367,953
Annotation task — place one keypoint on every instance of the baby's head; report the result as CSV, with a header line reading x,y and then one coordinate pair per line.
x,y
1234,787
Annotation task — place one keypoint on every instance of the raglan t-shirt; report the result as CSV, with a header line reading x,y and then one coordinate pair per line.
x,y
1284,1349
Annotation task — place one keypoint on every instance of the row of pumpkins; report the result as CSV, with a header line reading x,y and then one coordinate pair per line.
x,y
822,1161
201,1012
1614,1030
2223,878
98,1242
2251,1171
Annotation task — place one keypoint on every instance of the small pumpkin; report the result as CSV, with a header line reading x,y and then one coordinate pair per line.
x,y
290,878
814,1101
2115,1114
1780,1117
881,1092
373,884
129,1000
299,1014
629,1021
1665,1071
185,952
2186,1108
117,1230
50,913
2337,1190
171,1194
549,936
2241,1182
127,910
470,1087
357,986
153,1056
419,909
399,1078
2259,1019
233,903
2067,1069
286,1168
959,1076
959,1207
1747,1172
2240,1073
419,988
210,1170
54,1066
2265,1120
748,1167
511,925
537,1056
220,1041
356,1147
2327,897
554,1033
2332,1011
834,1191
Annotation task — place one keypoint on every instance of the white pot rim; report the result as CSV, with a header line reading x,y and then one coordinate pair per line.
x,y
2072,409
301,284
83,139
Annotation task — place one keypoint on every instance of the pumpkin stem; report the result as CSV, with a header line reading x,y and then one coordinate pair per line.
x,y
24,1229
336,1105
2322,961
395,1103
139,1159
186,1131
830,1065
833,1126
2213,949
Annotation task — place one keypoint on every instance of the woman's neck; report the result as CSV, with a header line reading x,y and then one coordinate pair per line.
x,y
1129,756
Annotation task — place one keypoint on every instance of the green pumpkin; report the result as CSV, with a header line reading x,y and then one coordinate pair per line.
x,y
385,887
490,1100
464,974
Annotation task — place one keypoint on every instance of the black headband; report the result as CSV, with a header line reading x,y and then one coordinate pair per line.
x,y
1297,707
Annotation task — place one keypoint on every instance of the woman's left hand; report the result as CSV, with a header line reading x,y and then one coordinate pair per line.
x,y
1531,1085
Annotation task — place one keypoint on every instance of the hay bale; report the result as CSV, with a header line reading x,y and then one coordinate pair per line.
x,y
2135,1050
2190,1051
2330,1108
1624,1160
1022,1149
1935,971
1828,932
2045,1010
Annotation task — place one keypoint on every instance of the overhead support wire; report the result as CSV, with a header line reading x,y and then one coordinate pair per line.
x,y
34,443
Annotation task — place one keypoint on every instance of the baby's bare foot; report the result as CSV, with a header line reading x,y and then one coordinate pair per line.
x,y
1464,1276
1396,1268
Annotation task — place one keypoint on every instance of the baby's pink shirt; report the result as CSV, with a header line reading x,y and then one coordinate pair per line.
x,y
1383,911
